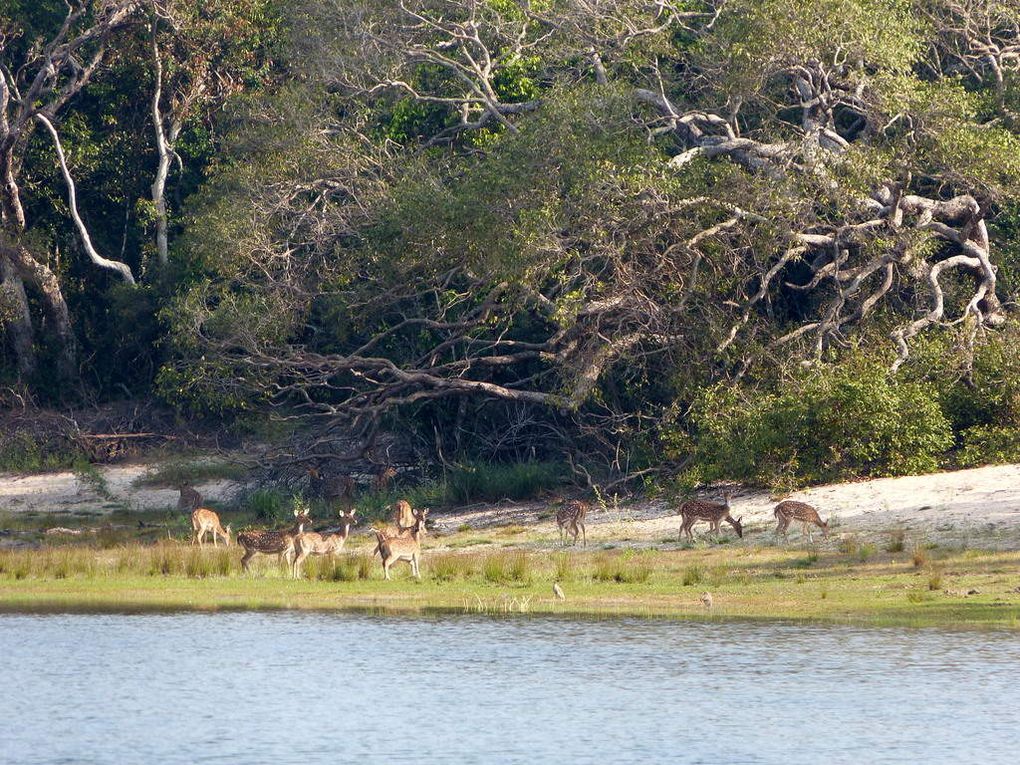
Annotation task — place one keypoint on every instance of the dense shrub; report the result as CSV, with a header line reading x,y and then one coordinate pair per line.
x,y
829,423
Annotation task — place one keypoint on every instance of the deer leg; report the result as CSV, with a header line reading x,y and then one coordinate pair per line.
x,y
584,534
386,567
245,559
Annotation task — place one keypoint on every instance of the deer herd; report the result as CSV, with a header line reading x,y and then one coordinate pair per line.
x,y
401,540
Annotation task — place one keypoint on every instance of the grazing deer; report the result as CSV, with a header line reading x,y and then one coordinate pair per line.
x,y
570,519
791,510
331,489
312,543
189,500
203,521
694,510
383,478
395,549
280,543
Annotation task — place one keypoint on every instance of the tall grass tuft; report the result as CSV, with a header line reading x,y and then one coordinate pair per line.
x,y
448,567
692,576
897,541
621,568
919,557
507,568
565,568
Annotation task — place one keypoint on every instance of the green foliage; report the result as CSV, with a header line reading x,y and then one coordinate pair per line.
x,y
480,482
624,568
756,39
832,422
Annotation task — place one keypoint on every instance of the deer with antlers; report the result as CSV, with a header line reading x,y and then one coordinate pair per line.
x,y
313,543
205,521
694,510
279,543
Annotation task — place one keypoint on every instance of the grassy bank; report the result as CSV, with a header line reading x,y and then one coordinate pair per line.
x,y
901,587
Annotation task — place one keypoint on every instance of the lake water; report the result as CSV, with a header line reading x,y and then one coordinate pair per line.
x,y
311,688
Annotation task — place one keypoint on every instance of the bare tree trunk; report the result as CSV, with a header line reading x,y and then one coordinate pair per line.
x,y
13,212
165,149
45,281
18,324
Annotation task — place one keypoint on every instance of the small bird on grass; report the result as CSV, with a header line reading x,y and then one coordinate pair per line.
x,y
706,599
558,591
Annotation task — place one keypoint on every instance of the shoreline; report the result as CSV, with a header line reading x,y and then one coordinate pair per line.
x,y
954,589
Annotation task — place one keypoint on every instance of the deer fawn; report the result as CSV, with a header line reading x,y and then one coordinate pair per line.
x,y
280,543
203,521
395,549
791,510
570,519
189,500
694,510
312,543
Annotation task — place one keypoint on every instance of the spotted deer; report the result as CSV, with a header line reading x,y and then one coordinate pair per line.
x,y
404,518
189,500
694,510
395,549
205,521
280,543
313,543
570,520
332,488
792,510
383,478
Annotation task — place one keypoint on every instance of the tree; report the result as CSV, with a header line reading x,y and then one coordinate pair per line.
x,y
38,79
201,54
590,209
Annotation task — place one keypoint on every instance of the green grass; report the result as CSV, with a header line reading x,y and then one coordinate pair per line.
x,y
470,483
746,582
190,471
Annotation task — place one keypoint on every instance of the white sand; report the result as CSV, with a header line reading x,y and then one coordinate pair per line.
x,y
64,492
976,507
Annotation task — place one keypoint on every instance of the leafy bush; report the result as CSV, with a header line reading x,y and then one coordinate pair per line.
x,y
829,423
491,483
989,444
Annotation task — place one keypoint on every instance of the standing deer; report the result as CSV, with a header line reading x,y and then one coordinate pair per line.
x,y
312,543
791,510
395,549
189,500
280,543
404,518
383,478
330,489
694,510
203,521
570,519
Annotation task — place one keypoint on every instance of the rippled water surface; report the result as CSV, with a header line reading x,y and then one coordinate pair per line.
x,y
311,688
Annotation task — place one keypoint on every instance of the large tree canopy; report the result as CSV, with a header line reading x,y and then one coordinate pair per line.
x,y
555,225
574,214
